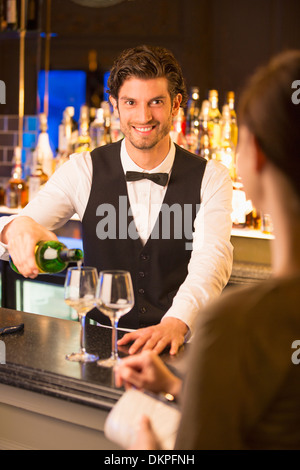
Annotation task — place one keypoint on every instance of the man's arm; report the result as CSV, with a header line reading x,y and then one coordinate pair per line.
x,y
208,271
64,194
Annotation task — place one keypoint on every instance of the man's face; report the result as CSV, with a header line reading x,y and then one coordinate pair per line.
x,y
146,111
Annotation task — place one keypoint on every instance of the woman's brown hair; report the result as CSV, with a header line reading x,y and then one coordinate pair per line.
x,y
267,108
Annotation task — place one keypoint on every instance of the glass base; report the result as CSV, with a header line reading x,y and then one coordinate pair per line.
x,y
81,357
109,362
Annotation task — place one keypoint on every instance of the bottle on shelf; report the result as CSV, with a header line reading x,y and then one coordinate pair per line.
x,y
214,119
178,129
226,150
204,148
53,257
43,147
16,195
234,126
83,143
193,120
32,15
97,129
253,219
3,23
11,15
38,178
107,122
65,137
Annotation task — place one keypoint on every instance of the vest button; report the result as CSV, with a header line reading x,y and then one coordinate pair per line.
x,y
145,257
141,274
143,310
141,291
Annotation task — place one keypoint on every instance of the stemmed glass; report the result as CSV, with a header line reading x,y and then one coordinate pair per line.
x,y
114,298
80,291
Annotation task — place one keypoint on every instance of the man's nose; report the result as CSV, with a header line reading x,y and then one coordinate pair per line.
x,y
144,113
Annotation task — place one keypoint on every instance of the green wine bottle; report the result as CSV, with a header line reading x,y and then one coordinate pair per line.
x,y
52,257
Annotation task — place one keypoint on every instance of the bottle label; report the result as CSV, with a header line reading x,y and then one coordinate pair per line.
x,y
50,253
11,11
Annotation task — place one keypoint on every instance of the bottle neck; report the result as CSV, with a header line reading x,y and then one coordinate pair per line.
x,y
70,255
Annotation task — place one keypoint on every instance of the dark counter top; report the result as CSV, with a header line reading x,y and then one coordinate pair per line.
x,y
35,359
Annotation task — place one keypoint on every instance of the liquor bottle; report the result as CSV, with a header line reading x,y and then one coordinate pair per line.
x,y
32,15
107,122
83,143
204,148
16,191
3,23
97,129
65,137
53,257
192,119
43,147
11,15
234,126
178,129
226,150
37,178
253,219
214,120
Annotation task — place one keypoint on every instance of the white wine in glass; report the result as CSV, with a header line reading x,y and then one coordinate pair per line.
x,y
114,298
80,291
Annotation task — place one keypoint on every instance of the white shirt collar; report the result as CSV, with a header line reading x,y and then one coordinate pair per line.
x,y
164,167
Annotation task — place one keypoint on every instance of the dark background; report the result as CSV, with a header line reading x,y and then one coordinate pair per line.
x,y
217,42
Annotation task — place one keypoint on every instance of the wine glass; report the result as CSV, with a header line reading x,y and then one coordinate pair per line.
x,y
80,291
114,298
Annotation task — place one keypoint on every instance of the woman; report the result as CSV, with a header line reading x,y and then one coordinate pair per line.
x,y
242,389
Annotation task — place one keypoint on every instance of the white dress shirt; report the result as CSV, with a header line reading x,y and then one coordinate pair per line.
x,y
67,193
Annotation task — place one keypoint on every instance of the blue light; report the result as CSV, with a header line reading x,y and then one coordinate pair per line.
x,y
66,88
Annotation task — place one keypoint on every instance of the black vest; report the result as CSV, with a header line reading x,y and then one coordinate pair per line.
x,y
110,239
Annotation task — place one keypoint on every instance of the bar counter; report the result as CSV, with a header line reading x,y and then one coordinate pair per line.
x,y
47,402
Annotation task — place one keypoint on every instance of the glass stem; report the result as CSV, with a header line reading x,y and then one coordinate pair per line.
x,y
82,332
114,338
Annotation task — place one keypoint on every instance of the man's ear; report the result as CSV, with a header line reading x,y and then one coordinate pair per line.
x,y
114,104
176,104
261,159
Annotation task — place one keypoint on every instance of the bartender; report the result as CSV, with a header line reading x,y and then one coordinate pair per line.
x,y
146,206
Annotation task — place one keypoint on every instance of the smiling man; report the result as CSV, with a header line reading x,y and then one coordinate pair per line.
x,y
158,180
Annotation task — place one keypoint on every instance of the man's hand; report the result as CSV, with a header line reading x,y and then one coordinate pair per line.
x,y
21,235
146,371
169,332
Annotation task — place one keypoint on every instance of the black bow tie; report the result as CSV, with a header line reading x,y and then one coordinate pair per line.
x,y
158,178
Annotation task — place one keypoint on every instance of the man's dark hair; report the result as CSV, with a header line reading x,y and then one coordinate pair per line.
x,y
147,62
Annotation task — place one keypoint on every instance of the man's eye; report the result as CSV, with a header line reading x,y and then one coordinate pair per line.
x,y
129,102
156,102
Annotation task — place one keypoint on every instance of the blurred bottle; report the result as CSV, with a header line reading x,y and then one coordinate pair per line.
x,y
267,224
83,143
234,126
192,120
178,127
214,119
240,207
43,148
11,15
97,130
204,148
16,195
37,179
226,150
32,15
253,218
65,137
3,23
107,122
